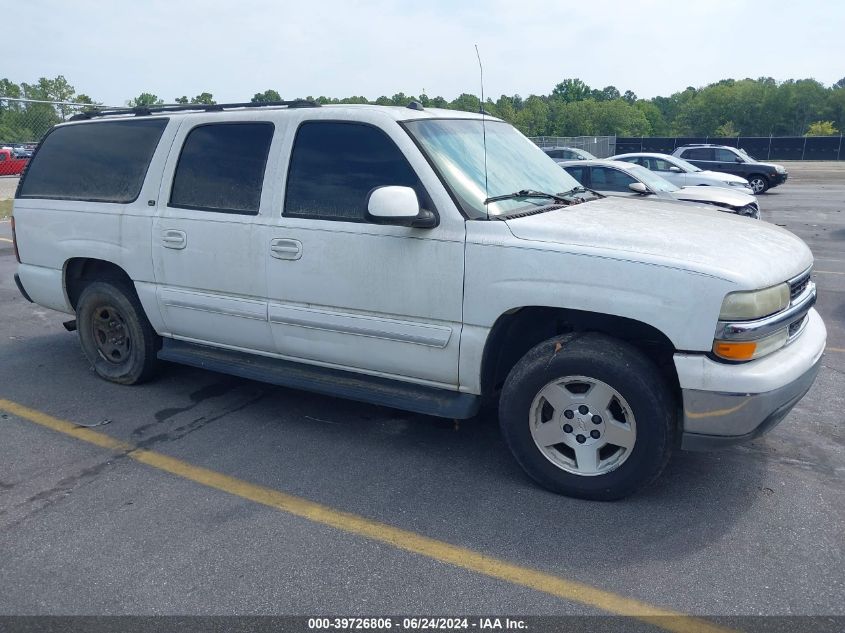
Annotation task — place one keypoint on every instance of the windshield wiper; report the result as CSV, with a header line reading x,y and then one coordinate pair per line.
x,y
526,193
581,189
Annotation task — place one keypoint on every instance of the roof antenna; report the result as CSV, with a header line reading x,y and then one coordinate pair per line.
x,y
483,124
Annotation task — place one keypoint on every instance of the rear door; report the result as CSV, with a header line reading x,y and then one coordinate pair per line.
x,y
701,157
209,263
345,292
726,161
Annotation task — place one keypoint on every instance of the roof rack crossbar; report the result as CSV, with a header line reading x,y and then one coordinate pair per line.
x,y
188,107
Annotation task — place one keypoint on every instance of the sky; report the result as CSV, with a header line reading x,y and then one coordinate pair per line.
x,y
112,50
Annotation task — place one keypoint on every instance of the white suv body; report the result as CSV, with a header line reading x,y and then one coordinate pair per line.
x,y
293,285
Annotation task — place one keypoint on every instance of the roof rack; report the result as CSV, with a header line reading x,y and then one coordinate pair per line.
x,y
217,107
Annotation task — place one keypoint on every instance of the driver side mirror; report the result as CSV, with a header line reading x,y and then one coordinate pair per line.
x,y
639,187
398,206
738,160
675,169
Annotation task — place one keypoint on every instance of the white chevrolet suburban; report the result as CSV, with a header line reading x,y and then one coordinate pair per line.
x,y
420,259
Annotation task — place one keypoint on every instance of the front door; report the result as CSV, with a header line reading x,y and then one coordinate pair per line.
x,y
347,293
209,263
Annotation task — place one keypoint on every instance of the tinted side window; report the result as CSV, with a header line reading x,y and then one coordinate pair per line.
x,y
607,179
334,166
578,173
104,161
221,168
699,153
725,155
557,153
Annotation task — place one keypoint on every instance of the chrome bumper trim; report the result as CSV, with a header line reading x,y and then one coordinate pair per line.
x,y
713,418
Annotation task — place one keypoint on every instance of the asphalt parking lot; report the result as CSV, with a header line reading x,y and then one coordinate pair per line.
x,y
416,515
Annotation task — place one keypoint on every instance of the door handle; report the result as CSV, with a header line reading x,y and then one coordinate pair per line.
x,y
172,238
282,248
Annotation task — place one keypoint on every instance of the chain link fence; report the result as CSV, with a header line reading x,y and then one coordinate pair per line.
x,y
23,123
598,146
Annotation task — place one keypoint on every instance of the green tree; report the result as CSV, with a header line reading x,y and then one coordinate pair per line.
x,y
570,90
182,100
264,97
727,130
608,93
822,128
145,99
204,98
466,102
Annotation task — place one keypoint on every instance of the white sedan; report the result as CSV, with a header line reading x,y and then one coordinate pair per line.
x,y
683,174
617,178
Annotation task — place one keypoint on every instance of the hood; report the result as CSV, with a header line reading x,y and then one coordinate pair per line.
x,y
720,175
751,253
714,195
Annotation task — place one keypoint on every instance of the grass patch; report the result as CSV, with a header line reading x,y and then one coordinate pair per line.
x,y
5,209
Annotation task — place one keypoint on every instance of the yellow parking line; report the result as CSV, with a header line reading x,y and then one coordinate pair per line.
x,y
828,272
834,349
402,539
5,239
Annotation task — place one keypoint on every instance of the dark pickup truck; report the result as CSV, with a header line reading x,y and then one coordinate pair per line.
x,y
730,160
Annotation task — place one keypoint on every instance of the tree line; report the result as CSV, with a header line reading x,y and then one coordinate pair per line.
x,y
746,107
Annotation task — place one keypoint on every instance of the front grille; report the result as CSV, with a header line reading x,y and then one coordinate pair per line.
x,y
798,285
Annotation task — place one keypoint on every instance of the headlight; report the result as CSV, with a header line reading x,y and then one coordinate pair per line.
x,y
754,304
780,169
750,211
749,350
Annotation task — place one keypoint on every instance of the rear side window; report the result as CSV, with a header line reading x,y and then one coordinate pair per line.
x,y
699,153
221,168
607,179
578,173
105,161
334,166
725,155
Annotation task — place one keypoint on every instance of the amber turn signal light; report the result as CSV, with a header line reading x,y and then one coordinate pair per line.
x,y
740,350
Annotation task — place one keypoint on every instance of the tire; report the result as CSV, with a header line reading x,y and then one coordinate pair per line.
x,y
759,183
115,334
640,417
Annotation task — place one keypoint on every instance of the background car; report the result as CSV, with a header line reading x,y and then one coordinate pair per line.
x,y
568,153
731,160
617,178
683,174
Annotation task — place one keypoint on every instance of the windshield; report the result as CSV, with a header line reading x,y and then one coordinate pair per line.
x,y
745,154
687,167
456,147
650,179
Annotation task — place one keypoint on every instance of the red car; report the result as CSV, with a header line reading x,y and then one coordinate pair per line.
x,y
9,164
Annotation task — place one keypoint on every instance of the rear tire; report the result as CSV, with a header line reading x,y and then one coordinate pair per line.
x,y
759,183
588,416
115,334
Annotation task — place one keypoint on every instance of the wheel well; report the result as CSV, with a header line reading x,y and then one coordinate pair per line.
x,y
517,331
81,271
763,176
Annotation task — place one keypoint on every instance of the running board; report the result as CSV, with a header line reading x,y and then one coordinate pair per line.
x,y
331,382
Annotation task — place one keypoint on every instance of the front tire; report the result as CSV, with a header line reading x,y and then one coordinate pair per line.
x,y
759,183
588,416
115,334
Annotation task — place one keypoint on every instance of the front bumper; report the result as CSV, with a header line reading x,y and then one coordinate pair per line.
x,y
778,179
727,404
